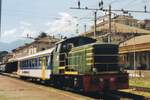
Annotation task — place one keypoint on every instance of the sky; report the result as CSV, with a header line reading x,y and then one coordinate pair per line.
x,y
22,17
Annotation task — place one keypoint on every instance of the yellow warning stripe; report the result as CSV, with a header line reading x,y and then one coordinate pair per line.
x,y
43,63
89,64
61,67
77,51
72,65
89,54
87,59
71,72
89,49
43,71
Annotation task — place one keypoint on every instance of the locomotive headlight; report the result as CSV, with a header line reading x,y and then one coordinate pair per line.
x,y
101,79
94,70
112,79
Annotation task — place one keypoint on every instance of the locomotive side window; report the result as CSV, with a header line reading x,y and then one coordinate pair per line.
x,y
49,61
58,48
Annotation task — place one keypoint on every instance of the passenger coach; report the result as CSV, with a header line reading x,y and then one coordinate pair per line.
x,y
38,65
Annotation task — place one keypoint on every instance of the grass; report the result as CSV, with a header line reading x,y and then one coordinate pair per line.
x,y
141,82
3,97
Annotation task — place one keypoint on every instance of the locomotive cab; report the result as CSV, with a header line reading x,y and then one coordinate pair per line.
x,y
60,59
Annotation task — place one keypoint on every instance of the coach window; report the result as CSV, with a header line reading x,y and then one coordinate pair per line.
x,y
32,65
32,62
25,64
46,61
38,62
20,64
35,64
29,63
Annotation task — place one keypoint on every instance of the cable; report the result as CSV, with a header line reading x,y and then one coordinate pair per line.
x,y
114,1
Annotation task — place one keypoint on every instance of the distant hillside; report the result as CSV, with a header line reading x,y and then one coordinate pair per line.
x,y
2,54
12,45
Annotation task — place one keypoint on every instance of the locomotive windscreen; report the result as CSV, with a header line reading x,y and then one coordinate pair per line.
x,y
106,57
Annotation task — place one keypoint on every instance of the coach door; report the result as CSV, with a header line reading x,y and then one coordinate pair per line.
x,y
43,65
56,59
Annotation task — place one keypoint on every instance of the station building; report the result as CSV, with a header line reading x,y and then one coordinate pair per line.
x,y
39,44
135,53
123,27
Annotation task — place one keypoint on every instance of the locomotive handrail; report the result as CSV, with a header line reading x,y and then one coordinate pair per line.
x,y
64,54
73,56
105,55
62,61
106,63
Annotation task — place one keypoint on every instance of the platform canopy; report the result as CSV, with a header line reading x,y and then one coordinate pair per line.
x,y
136,44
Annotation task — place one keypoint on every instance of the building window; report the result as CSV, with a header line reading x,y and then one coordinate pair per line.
x,y
42,49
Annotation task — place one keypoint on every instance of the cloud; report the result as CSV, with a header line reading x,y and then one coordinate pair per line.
x,y
9,36
25,23
21,32
9,32
64,24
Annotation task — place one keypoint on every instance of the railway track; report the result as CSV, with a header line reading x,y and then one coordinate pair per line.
x,y
109,95
119,95
143,89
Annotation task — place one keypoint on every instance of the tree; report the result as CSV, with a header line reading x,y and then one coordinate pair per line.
x,y
42,35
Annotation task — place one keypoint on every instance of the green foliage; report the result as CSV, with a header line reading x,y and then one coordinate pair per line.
x,y
42,35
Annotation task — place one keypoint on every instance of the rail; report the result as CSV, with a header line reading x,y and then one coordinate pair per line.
x,y
137,88
119,95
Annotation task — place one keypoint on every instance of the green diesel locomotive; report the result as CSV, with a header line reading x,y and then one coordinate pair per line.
x,y
81,63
